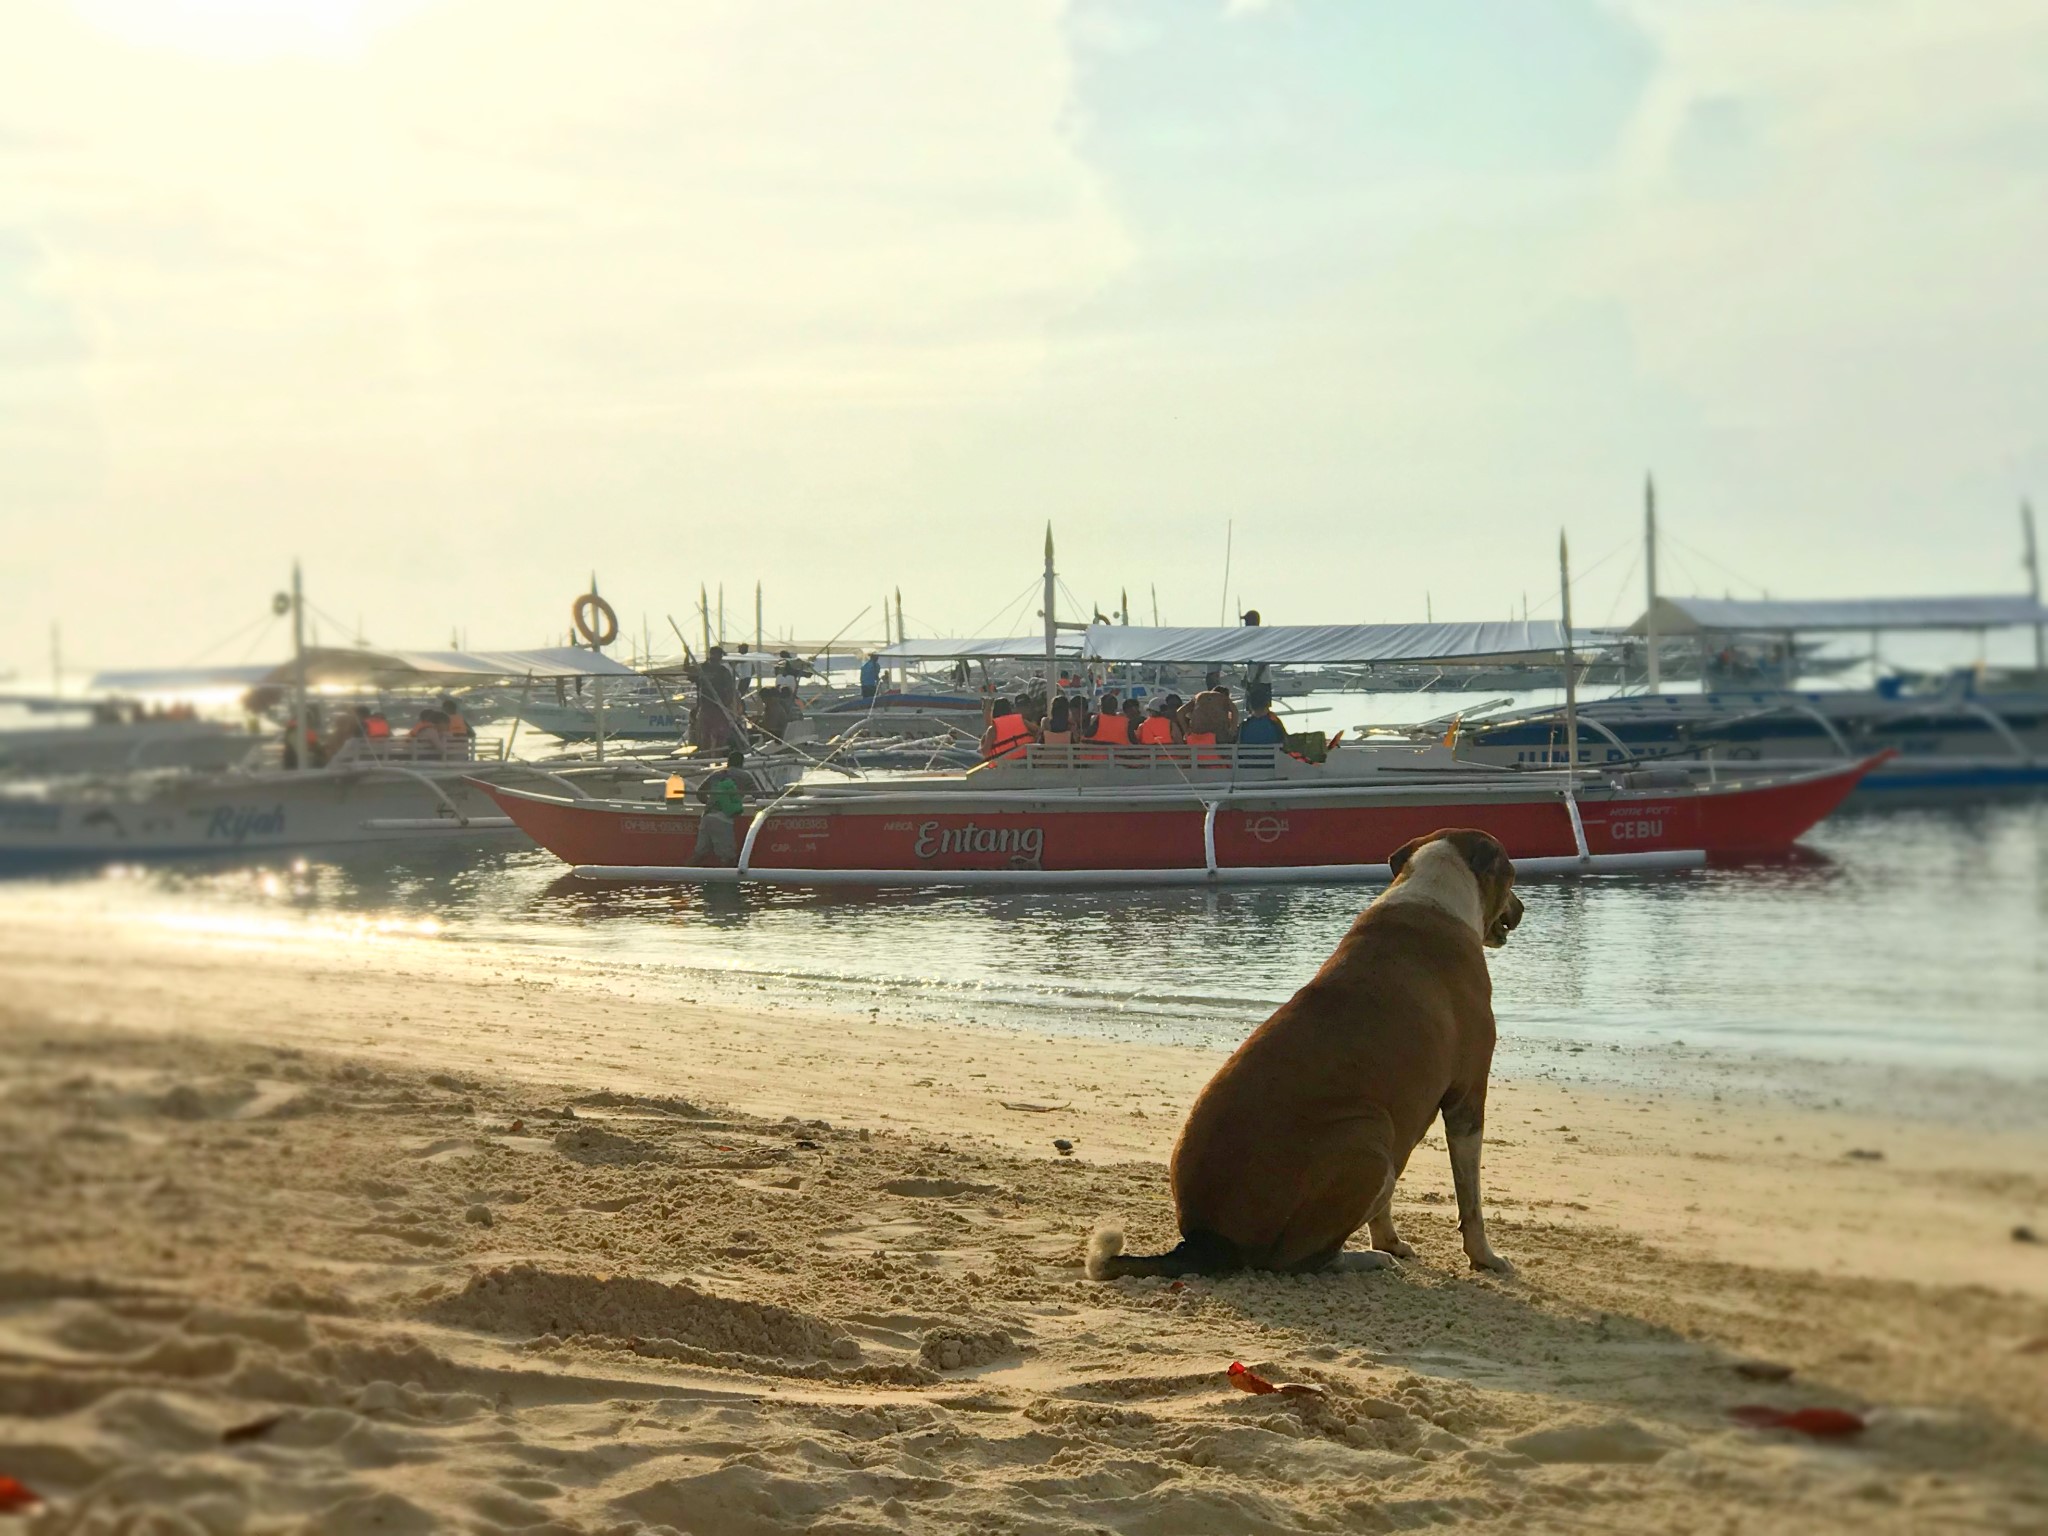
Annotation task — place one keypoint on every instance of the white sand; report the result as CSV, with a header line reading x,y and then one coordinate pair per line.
x,y
324,1192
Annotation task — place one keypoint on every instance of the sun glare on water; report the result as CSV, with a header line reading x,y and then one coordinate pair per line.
x,y
247,31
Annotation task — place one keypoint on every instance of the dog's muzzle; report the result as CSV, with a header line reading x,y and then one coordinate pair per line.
x,y
1505,922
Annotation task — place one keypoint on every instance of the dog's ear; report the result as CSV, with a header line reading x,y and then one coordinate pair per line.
x,y
1398,859
1483,853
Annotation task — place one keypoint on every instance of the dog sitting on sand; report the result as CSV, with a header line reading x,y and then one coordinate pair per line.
x,y
1299,1138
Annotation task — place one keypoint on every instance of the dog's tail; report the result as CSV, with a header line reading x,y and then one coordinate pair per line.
x,y
1199,1253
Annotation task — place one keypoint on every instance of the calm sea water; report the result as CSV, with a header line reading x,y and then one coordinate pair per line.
x,y
1896,944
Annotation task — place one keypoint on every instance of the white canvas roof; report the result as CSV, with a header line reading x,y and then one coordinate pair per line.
x,y
1009,648
452,668
1693,615
179,679
1328,644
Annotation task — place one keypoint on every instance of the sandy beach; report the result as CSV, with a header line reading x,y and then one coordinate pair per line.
x,y
327,1229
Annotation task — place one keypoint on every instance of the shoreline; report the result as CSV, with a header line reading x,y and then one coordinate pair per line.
x,y
1603,1152
1870,1079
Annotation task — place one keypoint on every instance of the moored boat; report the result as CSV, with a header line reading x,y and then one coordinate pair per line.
x,y
1188,815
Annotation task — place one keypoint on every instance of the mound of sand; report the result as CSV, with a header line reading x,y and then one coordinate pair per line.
x,y
525,1300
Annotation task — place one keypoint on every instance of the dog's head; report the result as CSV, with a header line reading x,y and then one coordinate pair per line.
x,y
1500,909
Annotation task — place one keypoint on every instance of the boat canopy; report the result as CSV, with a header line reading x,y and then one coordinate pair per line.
x,y
1704,615
432,669
1008,648
1328,644
334,666
180,680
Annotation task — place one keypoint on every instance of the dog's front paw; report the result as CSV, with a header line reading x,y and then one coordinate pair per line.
x,y
1490,1261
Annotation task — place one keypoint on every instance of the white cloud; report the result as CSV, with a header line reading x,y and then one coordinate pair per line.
x,y
482,270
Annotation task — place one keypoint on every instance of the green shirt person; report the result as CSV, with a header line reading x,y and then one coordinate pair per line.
x,y
724,795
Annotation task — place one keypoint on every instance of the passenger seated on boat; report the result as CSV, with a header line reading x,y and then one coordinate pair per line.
x,y
1059,729
426,734
348,726
1008,733
1111,726
456,725
1211,715
1159,727
1134,719
1261,728
375,726
724,795
316,751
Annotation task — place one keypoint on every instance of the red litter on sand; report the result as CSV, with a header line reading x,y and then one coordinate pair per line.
x,y
15,1496
1245,1379
1816,1423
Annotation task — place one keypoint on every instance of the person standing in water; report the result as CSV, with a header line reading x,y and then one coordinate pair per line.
x,y
724,795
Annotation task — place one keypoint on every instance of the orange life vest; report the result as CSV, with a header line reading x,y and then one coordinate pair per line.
x,y
1202,738
377,728
1012,735
1157,731
1111,728
457,726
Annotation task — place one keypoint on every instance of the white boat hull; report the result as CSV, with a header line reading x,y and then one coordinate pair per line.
x,y
268,812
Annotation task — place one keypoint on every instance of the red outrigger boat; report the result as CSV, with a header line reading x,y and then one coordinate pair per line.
x,y
1190,815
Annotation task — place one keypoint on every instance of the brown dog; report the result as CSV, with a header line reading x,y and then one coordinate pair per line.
x,y
1298,1139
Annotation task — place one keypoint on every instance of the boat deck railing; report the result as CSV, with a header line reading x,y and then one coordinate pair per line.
x,y
361,752
1162,763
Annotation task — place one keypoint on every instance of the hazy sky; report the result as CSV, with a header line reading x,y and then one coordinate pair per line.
x,y
459,299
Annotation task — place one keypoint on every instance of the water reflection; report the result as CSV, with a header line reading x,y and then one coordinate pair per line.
x,y
1914,934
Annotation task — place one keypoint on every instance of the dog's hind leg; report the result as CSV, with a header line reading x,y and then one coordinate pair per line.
x,y
1360,1180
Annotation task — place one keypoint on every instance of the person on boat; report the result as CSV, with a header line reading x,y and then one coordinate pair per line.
x,y
1211,715
1261,727
870,677
1134,718
348,726
724,795
458,728
1059,729
376,726
1008,732
426,734
307,740
715,719
1111,725
778,710
1161,728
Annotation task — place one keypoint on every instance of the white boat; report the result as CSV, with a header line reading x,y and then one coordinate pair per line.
x,y
395,790
1948,740
106,745
639,715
